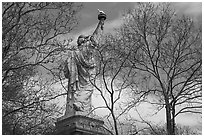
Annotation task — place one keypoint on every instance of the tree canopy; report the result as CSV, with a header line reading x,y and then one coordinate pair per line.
x,y
30,39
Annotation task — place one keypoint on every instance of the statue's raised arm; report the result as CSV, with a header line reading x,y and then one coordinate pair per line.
x,y
100,26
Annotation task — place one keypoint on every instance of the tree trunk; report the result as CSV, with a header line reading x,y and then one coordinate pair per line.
x,y
173,120
173,125
169,122
115,123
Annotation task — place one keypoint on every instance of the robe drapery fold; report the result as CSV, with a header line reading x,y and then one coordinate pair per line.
x,y
79,68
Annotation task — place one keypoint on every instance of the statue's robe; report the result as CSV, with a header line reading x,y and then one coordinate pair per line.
x,y
79,70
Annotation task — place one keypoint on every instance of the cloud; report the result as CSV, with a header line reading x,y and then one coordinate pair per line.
x,y
193,9
111,25
190,8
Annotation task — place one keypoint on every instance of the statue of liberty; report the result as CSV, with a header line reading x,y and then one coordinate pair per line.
x,y
79,69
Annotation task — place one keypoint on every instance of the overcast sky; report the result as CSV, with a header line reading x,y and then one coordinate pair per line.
x,y
88,15
114,10
88,21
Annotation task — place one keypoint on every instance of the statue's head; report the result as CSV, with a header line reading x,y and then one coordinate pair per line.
x,y
81,39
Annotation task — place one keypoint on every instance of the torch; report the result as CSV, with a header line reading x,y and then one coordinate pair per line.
x,y
101,17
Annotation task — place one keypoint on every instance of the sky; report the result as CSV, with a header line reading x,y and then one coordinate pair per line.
x,y
114,10
88,16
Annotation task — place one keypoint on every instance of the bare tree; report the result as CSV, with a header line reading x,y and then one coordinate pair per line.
x,y
30,42
31,108
166,51
113,79
30,32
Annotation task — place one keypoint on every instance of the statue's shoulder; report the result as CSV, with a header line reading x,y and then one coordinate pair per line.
x,y
72,49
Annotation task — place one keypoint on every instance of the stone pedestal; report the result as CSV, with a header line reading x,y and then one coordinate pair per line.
x,y
80,125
